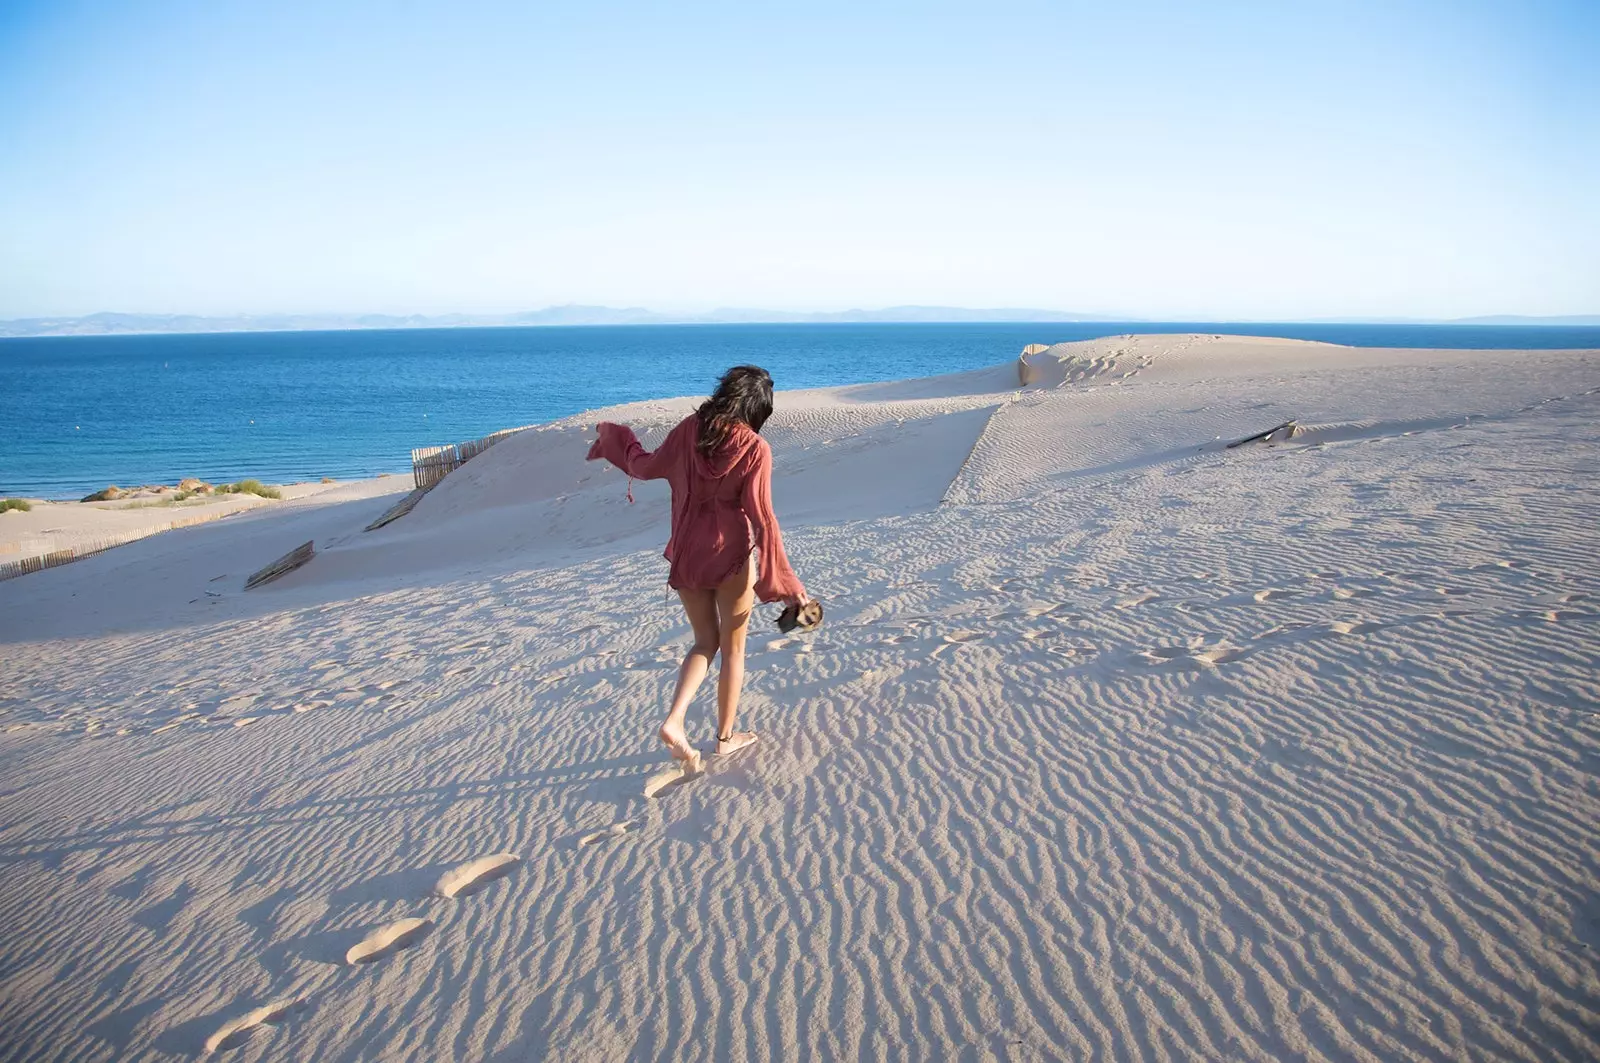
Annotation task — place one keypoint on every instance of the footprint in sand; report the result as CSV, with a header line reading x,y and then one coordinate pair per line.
x,y
667,778
1272,594
389,939
1554,616
1205,656
474,875
233,1032
612,832
1353,627
1217,654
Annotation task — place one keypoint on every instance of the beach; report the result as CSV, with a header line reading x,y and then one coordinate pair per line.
x,y
1118,742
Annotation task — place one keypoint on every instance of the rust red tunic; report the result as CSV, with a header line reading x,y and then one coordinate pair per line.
x,y
721,506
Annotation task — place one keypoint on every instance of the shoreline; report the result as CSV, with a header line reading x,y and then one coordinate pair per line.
x,y
45,452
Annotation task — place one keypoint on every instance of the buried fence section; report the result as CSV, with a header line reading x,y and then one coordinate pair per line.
x,y
52,558
88,548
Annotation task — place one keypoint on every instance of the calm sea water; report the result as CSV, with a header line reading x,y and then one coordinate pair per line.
x,y
78,413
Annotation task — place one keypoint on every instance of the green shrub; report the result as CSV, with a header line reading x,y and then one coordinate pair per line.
x,y
249,487
21,505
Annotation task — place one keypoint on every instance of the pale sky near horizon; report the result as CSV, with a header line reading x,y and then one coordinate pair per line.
x,y
1167,160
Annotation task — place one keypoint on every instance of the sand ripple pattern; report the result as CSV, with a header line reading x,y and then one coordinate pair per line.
x,y
1287,754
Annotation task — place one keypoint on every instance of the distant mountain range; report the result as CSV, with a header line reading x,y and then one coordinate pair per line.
x,y
108,324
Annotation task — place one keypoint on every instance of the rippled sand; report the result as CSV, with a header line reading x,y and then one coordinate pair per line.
x,y
1117,743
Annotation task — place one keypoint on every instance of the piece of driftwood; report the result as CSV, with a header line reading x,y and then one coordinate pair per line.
x,y
400,508
1275,434
287,563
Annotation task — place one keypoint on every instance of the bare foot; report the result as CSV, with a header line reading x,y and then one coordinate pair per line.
x,y
677,743
735,742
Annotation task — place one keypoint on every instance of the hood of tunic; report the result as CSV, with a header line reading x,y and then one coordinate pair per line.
x,y
740,442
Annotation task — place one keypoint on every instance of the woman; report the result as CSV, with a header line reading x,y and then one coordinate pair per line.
x,y
720,470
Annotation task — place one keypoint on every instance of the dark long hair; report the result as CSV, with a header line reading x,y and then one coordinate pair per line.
x,y
744,396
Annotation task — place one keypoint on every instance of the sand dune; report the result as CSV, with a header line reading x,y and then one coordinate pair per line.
x,y
1116,743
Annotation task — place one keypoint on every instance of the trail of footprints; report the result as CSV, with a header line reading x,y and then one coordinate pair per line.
x,y
941,635
344,684
378,944
334,683
1324,586
384,941
1403,586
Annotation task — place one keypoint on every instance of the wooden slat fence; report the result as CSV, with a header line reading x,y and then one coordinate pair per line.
x,y
52,558
429,465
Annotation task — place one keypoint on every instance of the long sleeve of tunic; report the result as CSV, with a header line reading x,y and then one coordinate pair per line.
x,y
777,580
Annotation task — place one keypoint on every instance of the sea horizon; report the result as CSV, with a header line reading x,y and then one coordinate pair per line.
x,y
55,326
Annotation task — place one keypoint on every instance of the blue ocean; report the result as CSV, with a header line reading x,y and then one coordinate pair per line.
x,y
80,412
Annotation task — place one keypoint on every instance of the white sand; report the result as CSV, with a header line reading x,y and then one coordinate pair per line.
x,y
1115,743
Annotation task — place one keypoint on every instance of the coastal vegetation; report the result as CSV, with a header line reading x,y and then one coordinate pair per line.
x,y
248,487
187,489
21,505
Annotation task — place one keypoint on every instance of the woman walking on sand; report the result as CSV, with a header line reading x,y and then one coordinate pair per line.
x,y
720,471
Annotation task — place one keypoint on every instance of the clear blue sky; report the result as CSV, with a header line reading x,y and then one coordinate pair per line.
x,y
1182,160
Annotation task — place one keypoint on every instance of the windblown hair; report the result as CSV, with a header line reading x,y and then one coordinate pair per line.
x,y
743,397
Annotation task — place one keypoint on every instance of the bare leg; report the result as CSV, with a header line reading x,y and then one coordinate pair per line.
x,y
735,598
701,608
